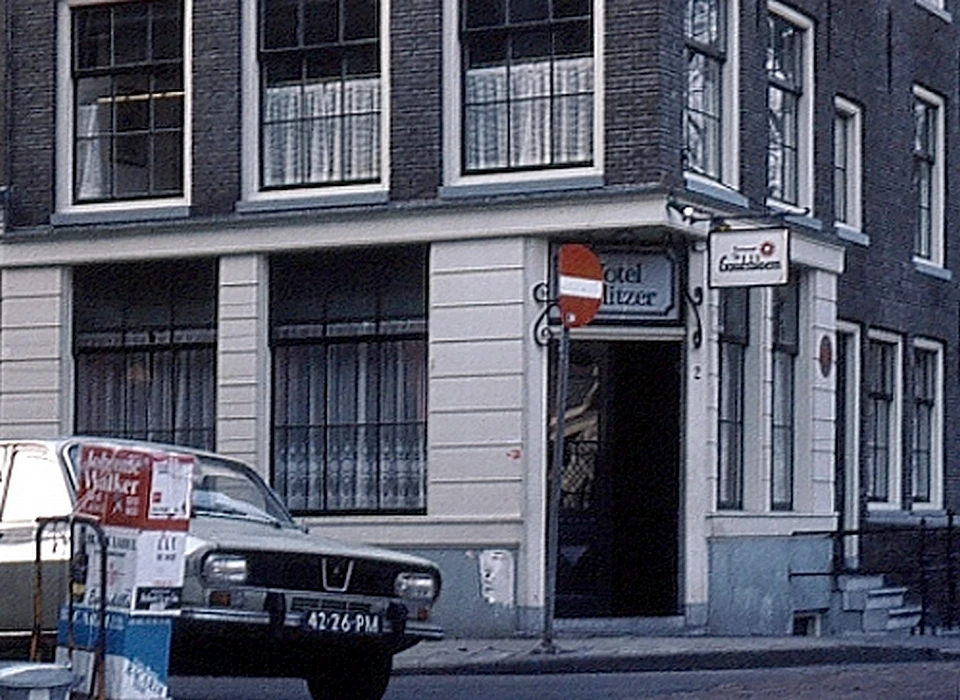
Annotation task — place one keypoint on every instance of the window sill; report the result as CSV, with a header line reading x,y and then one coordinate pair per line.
x,y
519,183
130,213
270,202
925,267
795,215
886,509
908,517
851,235
715,190
934,9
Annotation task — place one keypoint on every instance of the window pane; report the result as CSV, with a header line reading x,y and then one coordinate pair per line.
x,y
279,23
131,33
484,13
531,44
92,38
132,101
571,8
167,30
321,22
528,10
168,162
360,20
573,39
167,100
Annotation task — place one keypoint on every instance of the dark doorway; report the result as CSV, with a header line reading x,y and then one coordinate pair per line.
x,y
620,503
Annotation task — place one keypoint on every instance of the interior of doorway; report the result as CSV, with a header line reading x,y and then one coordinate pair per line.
x,y
620,505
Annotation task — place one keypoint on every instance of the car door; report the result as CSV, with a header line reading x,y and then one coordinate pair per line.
x,y
33,484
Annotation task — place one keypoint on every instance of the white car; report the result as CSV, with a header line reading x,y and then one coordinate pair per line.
x,y
261,595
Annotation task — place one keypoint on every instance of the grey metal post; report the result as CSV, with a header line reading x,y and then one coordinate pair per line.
x,y
553,495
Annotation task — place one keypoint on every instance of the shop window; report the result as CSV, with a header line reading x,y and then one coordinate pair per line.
x,y
349,347
145,351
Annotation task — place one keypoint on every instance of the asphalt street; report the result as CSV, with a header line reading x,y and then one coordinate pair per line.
x,y
894,681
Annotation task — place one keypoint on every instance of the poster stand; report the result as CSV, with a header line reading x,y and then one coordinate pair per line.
x,y
141,500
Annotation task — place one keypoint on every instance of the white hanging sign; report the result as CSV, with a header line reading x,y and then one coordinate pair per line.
x,y
749,258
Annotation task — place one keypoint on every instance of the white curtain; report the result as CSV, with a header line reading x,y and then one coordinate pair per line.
x,y
322,132
550,119
165,395
350,425
93,154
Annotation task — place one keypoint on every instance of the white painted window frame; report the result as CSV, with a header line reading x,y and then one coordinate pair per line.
x,y
805,164
895,477
453,176
251,191
63,190
937,429
937,215
849,116
730,108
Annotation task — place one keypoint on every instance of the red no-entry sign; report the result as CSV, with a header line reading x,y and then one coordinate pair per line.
x,y
581,284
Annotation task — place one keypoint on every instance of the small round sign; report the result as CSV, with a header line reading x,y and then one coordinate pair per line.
x,y
581,284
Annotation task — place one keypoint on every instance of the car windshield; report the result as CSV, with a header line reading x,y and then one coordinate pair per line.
x,y
223,488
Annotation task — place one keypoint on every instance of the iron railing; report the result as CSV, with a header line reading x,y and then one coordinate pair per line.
x,y
923,557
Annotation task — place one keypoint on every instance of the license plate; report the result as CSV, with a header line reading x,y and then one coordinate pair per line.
x,y
343,622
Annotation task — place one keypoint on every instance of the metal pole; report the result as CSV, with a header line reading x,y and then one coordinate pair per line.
x,y
553,495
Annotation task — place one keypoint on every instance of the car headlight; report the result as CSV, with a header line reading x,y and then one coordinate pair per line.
x,y
225,568
416,586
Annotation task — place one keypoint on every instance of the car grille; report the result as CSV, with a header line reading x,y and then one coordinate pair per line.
x,y
305,572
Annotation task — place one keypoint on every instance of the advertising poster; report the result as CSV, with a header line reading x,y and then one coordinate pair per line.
x,y
142,500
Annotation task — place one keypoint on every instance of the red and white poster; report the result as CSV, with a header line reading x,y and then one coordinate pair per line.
x,y
142,499
140,489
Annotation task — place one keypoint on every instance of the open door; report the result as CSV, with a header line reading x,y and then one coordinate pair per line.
x,y
620,484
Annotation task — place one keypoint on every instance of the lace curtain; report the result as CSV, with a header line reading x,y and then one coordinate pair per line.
x,y
529,114
321,132
351,425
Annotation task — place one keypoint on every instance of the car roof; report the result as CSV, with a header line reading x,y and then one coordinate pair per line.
x,y
59,443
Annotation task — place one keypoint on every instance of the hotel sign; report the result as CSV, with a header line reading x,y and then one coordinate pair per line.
x,y
638,286
749,258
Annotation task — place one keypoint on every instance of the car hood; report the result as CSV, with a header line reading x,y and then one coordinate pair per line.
x,y
208,533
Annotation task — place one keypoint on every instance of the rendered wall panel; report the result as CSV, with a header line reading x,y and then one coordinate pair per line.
x,y
476,358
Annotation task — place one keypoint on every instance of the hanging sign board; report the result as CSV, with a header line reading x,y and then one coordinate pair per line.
x,y
749,257
580,283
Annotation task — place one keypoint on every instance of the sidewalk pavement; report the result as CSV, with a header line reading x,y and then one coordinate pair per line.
x,y
605,654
